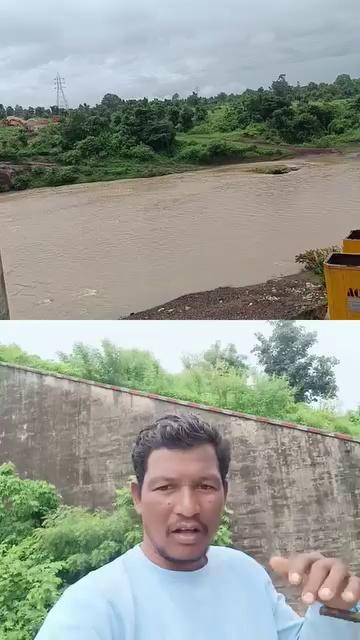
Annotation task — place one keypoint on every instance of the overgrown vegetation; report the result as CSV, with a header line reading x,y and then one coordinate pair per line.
x,y
314,260
45,546
132,138
220,377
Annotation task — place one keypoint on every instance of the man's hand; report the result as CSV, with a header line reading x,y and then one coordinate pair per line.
x,y
326,580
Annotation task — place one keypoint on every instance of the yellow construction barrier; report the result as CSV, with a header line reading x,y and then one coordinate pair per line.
x,y
342,275
352,242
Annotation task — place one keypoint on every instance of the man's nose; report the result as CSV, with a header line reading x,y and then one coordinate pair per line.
x,y
187,503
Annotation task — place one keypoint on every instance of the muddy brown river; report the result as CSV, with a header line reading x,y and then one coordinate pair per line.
x,y
104,250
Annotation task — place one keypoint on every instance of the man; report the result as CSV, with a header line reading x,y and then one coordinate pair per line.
x,y
175,585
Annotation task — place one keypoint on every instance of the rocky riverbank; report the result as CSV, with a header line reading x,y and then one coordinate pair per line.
x,y
298,297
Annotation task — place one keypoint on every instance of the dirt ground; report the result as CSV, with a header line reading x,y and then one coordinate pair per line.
x,y
298,297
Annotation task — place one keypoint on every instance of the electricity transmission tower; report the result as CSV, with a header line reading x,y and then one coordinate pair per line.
x,y
61,100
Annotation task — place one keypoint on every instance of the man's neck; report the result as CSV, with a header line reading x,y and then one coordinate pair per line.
x,y
157,558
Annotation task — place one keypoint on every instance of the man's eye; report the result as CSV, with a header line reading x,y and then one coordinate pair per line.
x,y
207,487
164,487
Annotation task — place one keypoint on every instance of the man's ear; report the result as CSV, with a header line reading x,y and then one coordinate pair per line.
x,y
136,495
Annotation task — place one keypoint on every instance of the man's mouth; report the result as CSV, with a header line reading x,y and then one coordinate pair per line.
x,y
187,535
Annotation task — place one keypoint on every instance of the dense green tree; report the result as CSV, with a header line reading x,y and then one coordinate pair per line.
x,y
19,111
89,147
187,118
221,97
193,99
216,356
24,504
140,125
160,136
111,101
282,121
287,352
85,108
345,85
228,355
261,104
174,115
281,87
324,113
355,105
96,125
200,114
113,365
73,128
303,128
39,112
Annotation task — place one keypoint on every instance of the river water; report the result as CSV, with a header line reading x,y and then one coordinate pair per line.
x,y
104,250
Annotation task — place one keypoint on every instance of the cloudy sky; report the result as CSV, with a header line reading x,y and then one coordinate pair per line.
x,y
158,47
169,341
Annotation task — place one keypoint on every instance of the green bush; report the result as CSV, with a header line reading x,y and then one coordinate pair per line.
x,y
89,147
9,154
214,152
29,587
70,157
314,260
223,119
67,543
58,177
256,130
325,417
24,504
68,175
194,154
22,181
338,126
141,152
37,172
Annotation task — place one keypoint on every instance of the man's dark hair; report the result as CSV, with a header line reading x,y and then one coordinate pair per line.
x,y
178,432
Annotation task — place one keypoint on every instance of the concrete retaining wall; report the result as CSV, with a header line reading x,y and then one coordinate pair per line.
x,y
291,488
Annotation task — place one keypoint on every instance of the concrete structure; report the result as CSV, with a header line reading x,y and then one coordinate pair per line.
x,y
292,488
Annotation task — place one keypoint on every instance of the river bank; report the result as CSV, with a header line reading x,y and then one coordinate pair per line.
x,y
296,297
216,151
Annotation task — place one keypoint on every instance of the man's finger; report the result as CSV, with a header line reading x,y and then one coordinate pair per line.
x,y
351,593
296,567
300,565
326,580
280,565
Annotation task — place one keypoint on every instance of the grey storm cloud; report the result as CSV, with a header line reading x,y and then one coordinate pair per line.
x,y
155,48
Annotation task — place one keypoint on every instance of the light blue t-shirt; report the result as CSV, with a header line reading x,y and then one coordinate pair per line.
x,y
231,598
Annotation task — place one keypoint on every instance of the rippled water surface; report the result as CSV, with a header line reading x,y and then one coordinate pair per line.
x,y
104,250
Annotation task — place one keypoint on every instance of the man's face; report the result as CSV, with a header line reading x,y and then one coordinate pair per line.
x,y
181,504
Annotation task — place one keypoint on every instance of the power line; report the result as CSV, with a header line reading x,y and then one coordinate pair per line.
x,y
61,100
